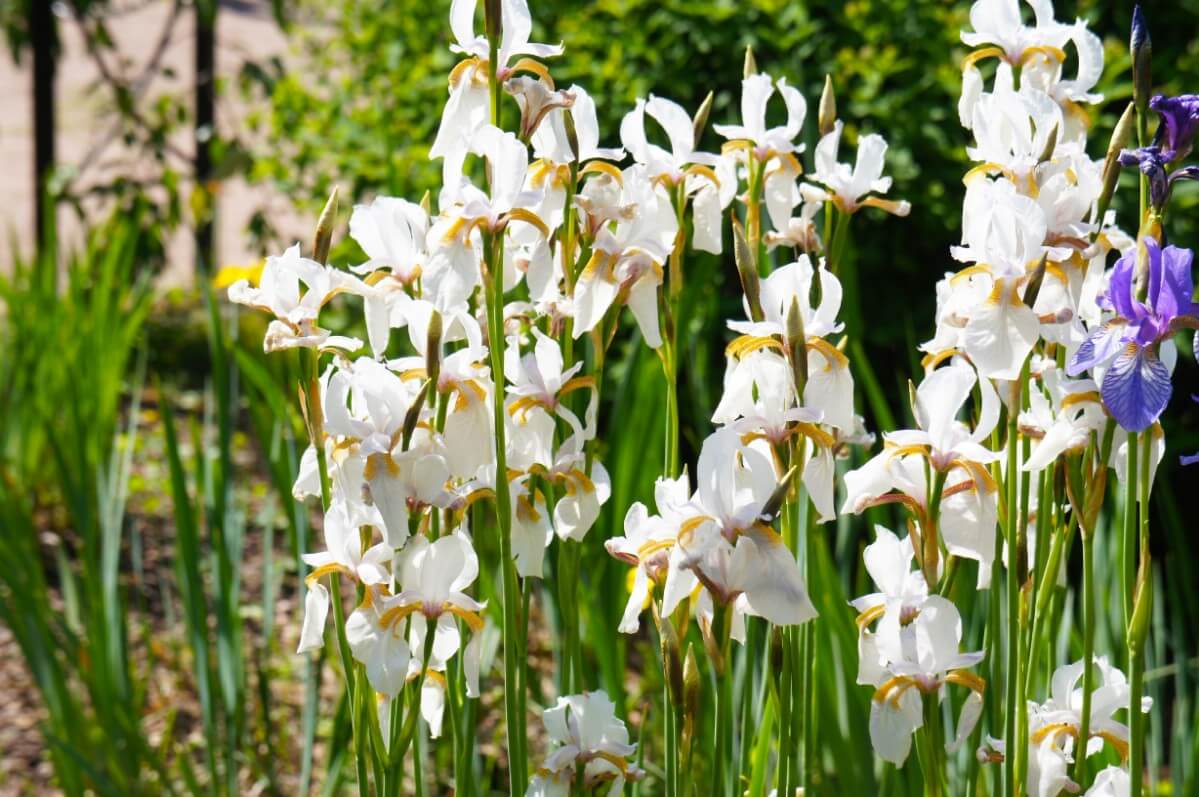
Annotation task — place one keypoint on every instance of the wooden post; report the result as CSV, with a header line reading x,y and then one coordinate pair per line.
x,y
44,40
205,126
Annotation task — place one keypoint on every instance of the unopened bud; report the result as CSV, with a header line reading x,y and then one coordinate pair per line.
x,y
779,496
751,65
1142,606
412,417
797,346
1050,146
1034,282
691,683
572,135
433,349
747,270
324,229
700,123
426,203
1121,135
671,657
826,118
1142,53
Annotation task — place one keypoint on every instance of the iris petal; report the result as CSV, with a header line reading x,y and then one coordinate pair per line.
x,y
1136,388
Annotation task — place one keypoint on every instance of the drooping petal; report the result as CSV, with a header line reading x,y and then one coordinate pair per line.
x,y
316,612
892,723
1136,388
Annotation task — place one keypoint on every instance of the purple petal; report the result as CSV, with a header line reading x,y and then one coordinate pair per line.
x,y
1119,289
1103,344
1174,286
1191,460
1136,388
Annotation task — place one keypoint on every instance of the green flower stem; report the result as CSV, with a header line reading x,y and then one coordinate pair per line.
x,y
514,696
1136,722
1136,652
1088,651
1016,640
1011,526
725,707
1128,552
934,774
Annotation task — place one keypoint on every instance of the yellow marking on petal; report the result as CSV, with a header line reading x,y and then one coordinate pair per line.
x,y
986,168
577,383
430,675
461,68
528,217
789,164
1056,53
688,527
599,260
896,207
736,144
472,619
699,170
1115,741
325,570
890,685
395,614
903,451
968,680
583,480
526,511
832,355
970,271
978,55
870,615
524,404
602,167
816,434
746,344
414,373
1086,397
652,547
1054,729
536,67
932,360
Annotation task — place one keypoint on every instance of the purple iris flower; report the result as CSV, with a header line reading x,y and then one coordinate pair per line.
x,y
1152,161
1180,123
1136,384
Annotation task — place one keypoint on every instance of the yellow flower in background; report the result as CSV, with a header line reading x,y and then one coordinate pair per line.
x,y
229,274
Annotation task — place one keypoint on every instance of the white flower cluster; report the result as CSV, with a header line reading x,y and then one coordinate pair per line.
x,y
1034,251
547,249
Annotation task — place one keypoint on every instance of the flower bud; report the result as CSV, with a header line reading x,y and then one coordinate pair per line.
x,y
751,66
1142,606
691,683
572,135
826,118
1033,288
748,271
671,656
433,349
701,119
1050,146
797,346
1141,49
324,229
1121,135
779,496
413,415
